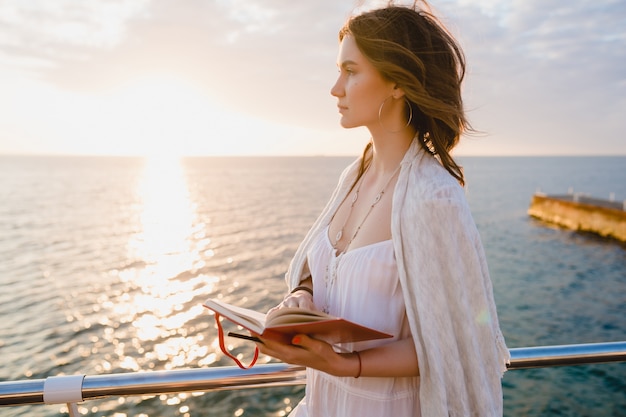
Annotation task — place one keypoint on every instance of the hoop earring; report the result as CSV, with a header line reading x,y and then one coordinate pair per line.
x,y
380,111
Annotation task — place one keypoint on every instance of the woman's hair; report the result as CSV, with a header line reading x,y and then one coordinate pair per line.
x,y
410,47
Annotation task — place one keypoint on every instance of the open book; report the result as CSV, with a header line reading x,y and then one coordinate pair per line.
x,y
284,323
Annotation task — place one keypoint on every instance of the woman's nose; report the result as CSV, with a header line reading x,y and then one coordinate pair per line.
x,y
337,89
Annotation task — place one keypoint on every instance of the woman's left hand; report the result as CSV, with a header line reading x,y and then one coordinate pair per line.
x,y
312,353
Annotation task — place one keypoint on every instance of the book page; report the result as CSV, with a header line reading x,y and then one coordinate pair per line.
x,y
292,315
250,319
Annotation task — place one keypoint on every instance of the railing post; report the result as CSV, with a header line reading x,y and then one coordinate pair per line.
x,y
72,408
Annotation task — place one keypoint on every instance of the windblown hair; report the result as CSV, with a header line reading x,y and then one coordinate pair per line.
x,y
410,47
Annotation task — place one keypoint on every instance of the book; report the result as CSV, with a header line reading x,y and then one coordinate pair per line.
x,y
284,323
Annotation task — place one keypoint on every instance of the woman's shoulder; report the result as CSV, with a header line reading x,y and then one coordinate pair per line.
x,y
433,197
429,181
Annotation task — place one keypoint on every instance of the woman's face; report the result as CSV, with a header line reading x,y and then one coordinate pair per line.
x,y
360,89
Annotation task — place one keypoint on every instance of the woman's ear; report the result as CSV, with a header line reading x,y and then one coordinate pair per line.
x,y
397,92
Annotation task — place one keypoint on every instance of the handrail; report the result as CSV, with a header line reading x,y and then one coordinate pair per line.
x,y
567,355
24,392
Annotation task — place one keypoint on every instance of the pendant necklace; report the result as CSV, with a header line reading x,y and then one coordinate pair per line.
x,y
355,197
378,197
331,269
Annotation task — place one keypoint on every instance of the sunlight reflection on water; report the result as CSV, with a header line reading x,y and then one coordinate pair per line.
x,y
167,218
158,307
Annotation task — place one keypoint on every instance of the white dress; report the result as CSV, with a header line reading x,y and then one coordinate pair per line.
x,y
365,289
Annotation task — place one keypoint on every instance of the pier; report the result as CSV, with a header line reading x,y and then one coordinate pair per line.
x,y
580,212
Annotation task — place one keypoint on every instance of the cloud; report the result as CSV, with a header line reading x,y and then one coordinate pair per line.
x,y
255,56
543,76
48,30
547,76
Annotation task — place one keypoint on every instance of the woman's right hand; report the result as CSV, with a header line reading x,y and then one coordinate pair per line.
x,y
299,299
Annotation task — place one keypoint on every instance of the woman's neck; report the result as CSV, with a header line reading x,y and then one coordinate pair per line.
x,y
388,151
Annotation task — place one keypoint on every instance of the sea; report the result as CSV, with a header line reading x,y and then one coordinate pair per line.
x,y
105,263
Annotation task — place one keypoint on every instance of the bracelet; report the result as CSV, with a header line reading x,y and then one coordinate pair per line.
x,y
303,288
358,356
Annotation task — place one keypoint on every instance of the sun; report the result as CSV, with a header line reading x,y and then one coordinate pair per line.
x,y
155,115
162,115
165,116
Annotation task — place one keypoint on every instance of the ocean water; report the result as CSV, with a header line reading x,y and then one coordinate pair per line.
x,y
104,264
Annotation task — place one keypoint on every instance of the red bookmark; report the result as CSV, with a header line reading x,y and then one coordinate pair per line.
x,y
220,332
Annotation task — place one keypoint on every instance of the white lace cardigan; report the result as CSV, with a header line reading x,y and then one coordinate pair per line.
x,y
447,289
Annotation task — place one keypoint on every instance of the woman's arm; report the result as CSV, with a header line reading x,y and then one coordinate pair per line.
x,y
395,359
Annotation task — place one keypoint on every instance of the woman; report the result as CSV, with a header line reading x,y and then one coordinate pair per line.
x,y
396,247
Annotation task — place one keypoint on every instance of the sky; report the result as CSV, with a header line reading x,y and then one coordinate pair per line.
x,y
234,77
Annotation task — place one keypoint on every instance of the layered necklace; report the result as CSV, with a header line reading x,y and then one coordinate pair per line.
x,y
331,269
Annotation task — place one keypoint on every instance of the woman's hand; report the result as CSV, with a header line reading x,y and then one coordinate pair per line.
x,y
394,359
312,353
298,299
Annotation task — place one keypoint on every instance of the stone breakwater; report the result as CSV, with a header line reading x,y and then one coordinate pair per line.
x,y
577,212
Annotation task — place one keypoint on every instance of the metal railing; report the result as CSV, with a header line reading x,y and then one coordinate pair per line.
x,y
77,388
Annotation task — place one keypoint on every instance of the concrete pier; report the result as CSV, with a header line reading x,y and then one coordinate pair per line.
x,y
579,212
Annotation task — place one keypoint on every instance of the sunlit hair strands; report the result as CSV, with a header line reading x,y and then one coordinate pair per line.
x,y
409,46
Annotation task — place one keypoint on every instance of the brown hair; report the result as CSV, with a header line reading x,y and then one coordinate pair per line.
x,y
410,47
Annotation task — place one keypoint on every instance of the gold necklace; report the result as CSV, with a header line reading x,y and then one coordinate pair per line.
x,y
331,269
378,197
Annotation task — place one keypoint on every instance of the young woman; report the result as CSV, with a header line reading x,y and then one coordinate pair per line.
x,y
396,247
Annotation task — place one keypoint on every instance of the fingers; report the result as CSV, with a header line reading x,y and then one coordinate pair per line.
x,y
291,301
314,346
303,299
301,340
300,299
303,350
307,303
274,308
311,353
284,352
